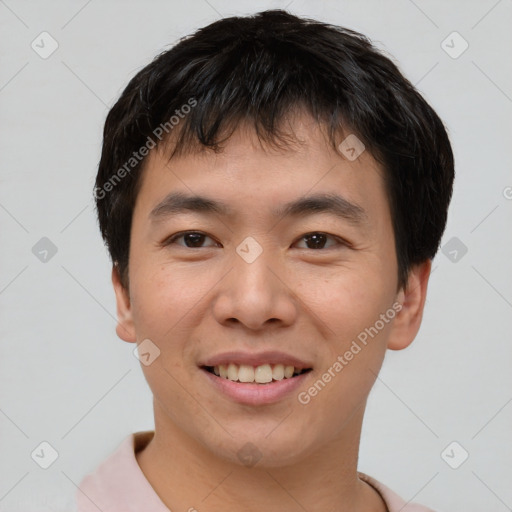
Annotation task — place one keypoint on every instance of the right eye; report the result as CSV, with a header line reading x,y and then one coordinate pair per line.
x,y
191,239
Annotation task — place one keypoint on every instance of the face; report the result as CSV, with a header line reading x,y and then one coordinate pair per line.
x,y
288,261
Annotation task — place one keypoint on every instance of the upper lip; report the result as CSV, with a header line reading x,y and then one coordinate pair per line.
x,y
256,359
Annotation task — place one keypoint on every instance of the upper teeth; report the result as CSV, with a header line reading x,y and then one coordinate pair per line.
x,y
260,374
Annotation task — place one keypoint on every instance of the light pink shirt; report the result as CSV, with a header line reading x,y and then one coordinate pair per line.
x,y
119,485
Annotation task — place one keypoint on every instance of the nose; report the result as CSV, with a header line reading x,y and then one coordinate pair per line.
x,y
256,295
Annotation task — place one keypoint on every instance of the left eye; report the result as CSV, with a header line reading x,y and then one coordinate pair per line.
x,y
318,240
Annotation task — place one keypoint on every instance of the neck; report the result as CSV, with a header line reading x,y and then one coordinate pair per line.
x,y
187,476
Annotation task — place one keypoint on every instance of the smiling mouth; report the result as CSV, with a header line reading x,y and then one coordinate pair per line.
x,y
262,374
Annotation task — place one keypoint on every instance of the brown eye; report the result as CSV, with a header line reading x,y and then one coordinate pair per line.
x,y
318,240
191,239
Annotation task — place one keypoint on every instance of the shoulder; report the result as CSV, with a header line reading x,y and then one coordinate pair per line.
x,y
118,484
393,501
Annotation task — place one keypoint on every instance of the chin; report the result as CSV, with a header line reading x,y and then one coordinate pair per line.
x,y
261,450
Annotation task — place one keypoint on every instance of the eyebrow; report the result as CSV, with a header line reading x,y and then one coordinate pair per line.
x,y
178,202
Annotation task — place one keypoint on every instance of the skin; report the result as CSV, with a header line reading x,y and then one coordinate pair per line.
x,y
196,302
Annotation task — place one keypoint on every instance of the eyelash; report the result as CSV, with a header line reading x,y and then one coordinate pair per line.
x,y
172,239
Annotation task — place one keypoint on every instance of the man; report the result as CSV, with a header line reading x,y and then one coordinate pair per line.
x,y
272,191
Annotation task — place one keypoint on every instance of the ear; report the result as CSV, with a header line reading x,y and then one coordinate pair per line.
x,y
125,328
406,323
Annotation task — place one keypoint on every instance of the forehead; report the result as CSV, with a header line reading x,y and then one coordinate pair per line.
x,y
249,176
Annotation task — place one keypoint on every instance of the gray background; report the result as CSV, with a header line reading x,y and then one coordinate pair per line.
x,y
65,377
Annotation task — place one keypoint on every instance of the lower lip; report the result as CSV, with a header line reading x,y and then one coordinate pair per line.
x,y
256,394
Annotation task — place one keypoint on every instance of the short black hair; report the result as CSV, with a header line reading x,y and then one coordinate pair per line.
x,y
258,69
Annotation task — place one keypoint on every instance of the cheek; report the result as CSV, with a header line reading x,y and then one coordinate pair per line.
x,y
162,299
349,301
169,305
354,349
